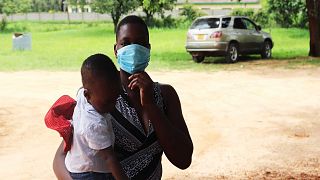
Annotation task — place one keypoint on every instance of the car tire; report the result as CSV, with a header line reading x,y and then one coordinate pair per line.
x,y
198,59
266,50
232,53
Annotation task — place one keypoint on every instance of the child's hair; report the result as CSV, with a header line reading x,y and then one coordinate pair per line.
x,y
132,19
99,66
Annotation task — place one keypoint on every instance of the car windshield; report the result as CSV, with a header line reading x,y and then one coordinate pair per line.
x,y
206,23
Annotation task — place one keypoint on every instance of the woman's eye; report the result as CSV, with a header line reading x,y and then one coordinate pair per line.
x,y
125,43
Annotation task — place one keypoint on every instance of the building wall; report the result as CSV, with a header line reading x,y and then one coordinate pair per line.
x,y
77,9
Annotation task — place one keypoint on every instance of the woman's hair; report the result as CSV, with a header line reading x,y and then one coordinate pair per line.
x,y
132,19
99,66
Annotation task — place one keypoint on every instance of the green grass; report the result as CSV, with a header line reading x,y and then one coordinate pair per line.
x,y
290,43
60,46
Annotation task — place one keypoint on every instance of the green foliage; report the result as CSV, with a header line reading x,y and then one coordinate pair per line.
x,y
15,6
164,22
288,13
115,8
3,24
1,6
152,7
190,13
249,12
46,5
260,16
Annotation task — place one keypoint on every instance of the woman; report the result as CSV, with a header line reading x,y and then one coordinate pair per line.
x,y
148,119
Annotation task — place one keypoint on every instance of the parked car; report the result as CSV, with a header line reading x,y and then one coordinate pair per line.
x,y
227,36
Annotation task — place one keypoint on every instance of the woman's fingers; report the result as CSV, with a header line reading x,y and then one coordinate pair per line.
x,y
134,84
140,80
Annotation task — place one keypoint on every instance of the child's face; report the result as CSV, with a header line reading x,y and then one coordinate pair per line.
x,y
103,95
131,34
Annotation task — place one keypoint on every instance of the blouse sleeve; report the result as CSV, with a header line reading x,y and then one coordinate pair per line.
x,y
100,135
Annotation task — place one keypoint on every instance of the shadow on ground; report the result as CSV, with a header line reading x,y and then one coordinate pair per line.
x,y
221,60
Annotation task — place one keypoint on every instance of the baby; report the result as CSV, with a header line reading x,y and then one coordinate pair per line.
x,y
91,155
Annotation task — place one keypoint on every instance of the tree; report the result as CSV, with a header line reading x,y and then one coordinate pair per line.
x,y
115,8
9,7
313,7
151,7
286,12
190,12
15,6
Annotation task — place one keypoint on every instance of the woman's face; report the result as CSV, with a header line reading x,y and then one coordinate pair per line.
x,y
131,34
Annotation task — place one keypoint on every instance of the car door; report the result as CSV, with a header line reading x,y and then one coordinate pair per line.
x,y
254,36
241,35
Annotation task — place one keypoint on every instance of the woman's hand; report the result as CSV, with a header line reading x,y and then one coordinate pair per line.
x,y
144,83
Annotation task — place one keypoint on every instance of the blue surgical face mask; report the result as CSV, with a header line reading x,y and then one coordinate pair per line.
x,y
133,58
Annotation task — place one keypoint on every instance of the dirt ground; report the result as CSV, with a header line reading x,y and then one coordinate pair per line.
x,y
245,124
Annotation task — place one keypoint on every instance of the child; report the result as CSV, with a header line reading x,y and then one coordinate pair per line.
x,y
91,155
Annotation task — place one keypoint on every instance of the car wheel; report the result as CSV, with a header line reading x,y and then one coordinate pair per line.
x,y
232,53
266,50
198,59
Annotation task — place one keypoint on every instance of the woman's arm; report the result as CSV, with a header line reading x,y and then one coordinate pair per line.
x,y
170,127
59,166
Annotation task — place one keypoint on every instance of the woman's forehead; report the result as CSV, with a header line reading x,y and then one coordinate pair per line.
x,y
133,31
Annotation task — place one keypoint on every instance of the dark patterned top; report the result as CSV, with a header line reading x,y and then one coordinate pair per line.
x,y
139,153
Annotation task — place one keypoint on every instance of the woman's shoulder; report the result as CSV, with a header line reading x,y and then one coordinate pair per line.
x,y
168,92
166,88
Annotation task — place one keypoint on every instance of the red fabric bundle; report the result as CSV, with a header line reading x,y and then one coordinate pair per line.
x,y
58,116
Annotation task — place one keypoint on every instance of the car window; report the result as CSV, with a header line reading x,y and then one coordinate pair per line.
x,y
249,24
238,24
225,22
206,23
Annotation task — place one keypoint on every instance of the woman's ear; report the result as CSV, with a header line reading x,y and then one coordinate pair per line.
x,y
115,49
86,94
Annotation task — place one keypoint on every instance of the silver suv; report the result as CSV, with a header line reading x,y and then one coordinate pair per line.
x,y
227,36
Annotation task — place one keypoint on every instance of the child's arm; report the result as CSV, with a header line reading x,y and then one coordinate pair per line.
x,y
59,166
113,164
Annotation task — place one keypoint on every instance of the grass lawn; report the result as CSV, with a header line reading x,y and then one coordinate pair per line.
x,y
60,46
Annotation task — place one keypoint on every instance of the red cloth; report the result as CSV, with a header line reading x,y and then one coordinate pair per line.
x,y
58,116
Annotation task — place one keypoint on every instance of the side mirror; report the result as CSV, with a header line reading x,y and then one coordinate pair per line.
x,y
258,28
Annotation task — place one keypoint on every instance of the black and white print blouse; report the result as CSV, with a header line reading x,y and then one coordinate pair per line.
x,y
139,152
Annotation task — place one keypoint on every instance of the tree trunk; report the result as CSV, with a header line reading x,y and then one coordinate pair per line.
x,y
115,19
68,16
313,7
149,17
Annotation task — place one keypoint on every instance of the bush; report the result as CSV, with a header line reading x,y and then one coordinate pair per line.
x,y
288,13
243,12
164,22
261,17
190,13
3,24
302,19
